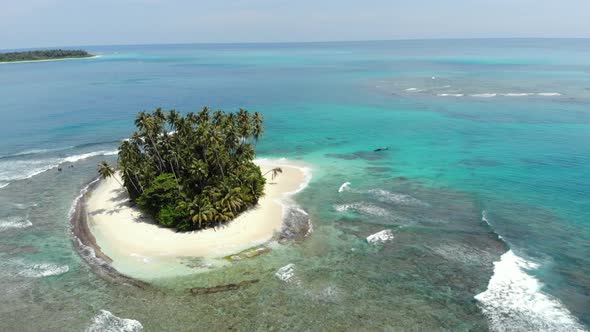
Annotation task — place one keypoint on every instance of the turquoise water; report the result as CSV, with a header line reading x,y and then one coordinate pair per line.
x,y
488,153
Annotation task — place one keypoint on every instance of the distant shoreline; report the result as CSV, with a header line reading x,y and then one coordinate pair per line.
x,y
44,60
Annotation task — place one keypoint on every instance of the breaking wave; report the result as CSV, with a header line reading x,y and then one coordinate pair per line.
x,y
14,223
484,95
344,187
287,274
105,321
385,196
36,151
362,208
496,94
514,301
549,94
484,218
22,206
380,237
43,270
19,169
450,94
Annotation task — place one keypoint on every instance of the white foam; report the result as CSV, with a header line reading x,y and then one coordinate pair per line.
x,y
549,94
380,237
36,151
73,159
412,89
390,197
514,301
43,270
22,206
484,95
82,192
105,321
450,94
512,94
89,254
14,223
287,274
13,170
344,187
363,208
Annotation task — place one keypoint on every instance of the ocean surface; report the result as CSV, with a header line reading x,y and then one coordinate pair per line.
x,y
485,186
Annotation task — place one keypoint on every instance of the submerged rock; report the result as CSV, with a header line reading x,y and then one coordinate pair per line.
x,y
250,253
296,225
380,237
222,288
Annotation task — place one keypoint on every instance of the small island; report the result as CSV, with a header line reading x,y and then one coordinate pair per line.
x,y
188,187
44,55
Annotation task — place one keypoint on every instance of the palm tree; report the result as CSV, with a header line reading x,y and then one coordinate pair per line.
x,y
208,159
275,172
258,127
201,212
106,171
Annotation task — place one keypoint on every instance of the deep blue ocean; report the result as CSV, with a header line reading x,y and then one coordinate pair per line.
x,y
486,183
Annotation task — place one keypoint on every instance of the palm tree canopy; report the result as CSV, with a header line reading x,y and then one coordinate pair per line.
x,y
192,171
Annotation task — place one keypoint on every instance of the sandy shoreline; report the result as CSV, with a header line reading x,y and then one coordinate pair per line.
x,y
121,233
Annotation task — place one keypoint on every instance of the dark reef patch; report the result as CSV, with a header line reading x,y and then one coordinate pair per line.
x,y
364,155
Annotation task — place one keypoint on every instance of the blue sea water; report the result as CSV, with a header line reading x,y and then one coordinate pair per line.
x,y
485,184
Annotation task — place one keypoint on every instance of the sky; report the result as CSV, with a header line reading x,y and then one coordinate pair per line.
x,y
46,23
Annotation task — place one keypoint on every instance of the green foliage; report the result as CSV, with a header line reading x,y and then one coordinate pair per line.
x,y
194,171
162,192
43,55
171,217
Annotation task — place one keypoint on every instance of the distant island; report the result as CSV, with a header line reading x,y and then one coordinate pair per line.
x,y
41,55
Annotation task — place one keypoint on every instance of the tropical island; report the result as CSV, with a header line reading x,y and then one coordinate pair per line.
x,y
192,172
188,186
44,55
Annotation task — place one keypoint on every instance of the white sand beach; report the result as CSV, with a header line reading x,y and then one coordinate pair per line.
x,y
125,234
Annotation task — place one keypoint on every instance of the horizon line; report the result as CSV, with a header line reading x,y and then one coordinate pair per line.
x,y
298,42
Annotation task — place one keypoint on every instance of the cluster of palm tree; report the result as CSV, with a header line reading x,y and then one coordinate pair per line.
x,y
194,171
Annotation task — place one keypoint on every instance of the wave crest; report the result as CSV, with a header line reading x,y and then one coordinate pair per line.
x,y
380,237
20,169
14,223
43,270
344,187
514,301
385,196
362,208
